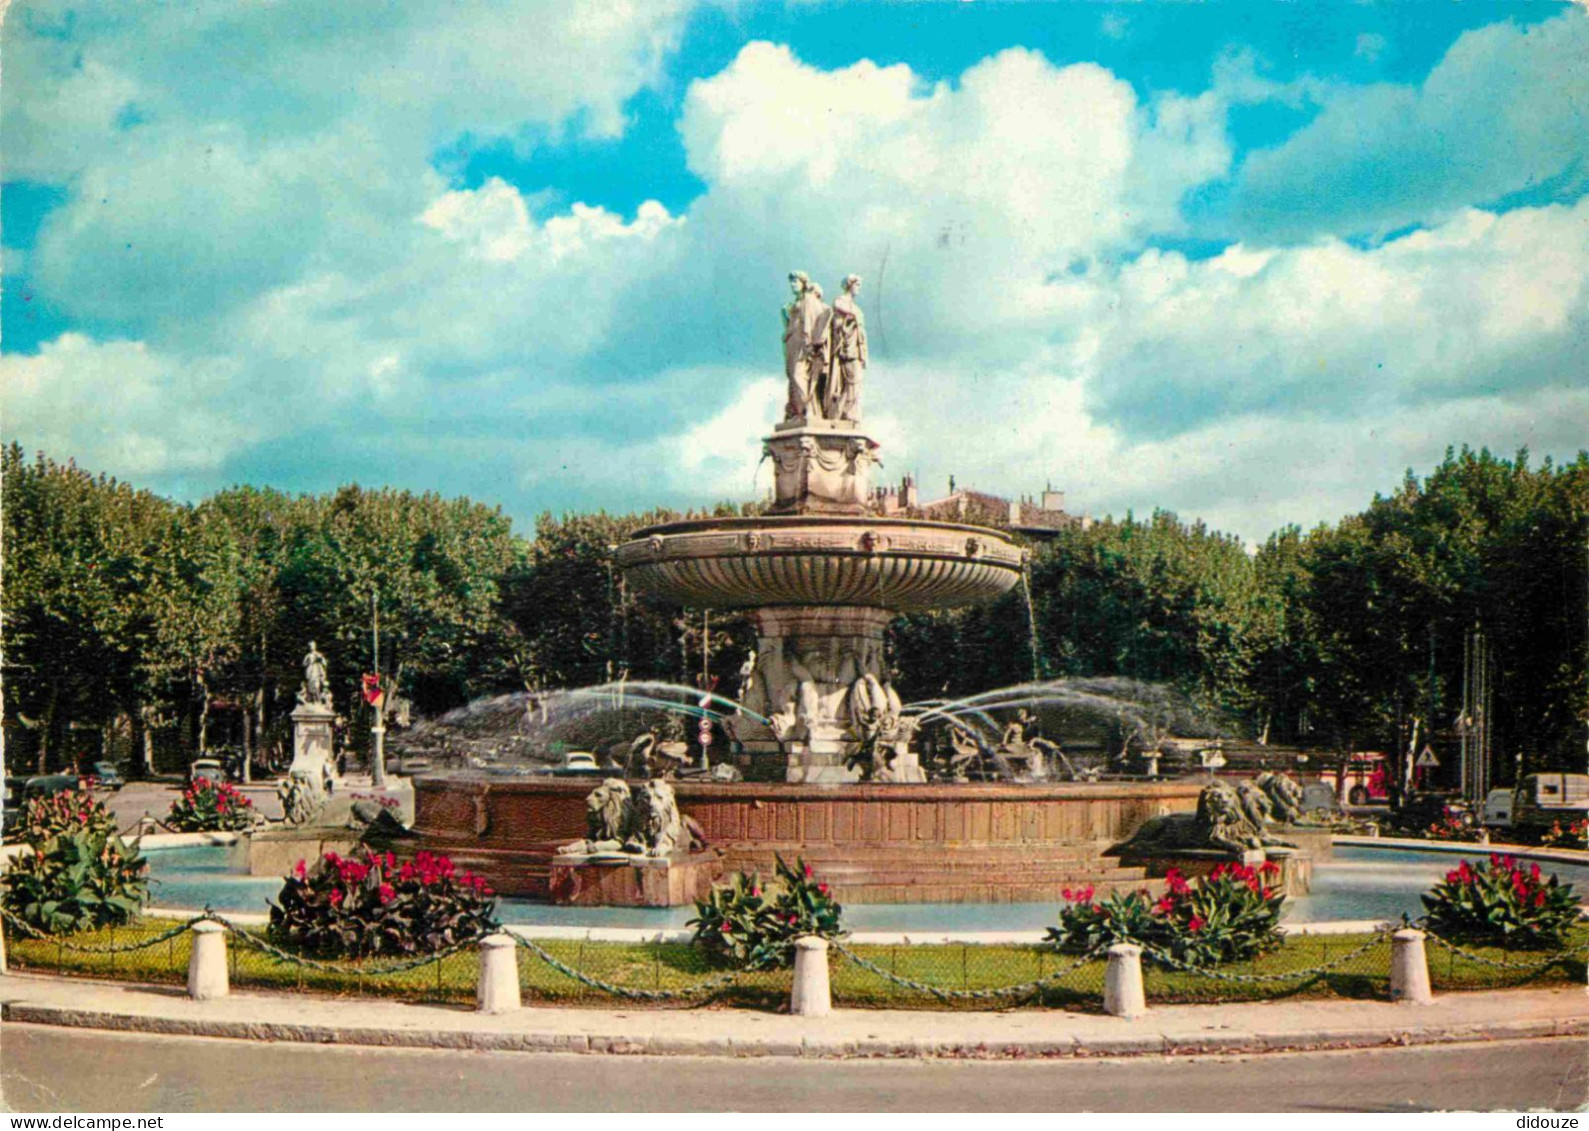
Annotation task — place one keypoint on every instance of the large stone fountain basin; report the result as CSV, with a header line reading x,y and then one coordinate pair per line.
x,y
903,565
943,843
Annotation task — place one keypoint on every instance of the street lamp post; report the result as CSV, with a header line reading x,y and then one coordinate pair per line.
x,y
378,731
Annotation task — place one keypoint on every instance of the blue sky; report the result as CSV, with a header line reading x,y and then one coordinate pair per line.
x,y
1245,261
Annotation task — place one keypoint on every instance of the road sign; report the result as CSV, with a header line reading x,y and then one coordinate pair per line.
x,y
1427,760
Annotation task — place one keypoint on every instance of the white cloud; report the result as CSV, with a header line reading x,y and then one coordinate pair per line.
x,y
110,405
1506,110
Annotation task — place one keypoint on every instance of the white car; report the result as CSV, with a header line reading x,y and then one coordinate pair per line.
x,y
1498,809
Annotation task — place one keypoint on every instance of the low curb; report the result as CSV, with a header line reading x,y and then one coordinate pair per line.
x,y
1060,1047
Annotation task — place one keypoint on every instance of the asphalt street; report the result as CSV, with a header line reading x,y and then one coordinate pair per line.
x,y
56,1070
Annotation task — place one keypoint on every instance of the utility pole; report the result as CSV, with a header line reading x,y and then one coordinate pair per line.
x,y
378,731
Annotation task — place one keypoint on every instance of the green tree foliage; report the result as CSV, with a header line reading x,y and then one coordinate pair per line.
x,y
135,615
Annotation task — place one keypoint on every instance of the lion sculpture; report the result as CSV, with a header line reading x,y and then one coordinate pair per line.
x,y
1255,805
1221,822
1285,797
655,828
644,821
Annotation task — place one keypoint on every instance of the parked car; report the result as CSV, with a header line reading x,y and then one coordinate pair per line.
x,y
577,763
107,774
1541,800
208,768
1498,809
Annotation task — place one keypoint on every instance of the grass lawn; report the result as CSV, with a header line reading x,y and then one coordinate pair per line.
x,y
678,966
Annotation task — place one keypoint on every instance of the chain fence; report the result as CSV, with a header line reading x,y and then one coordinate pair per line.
x,y
905,976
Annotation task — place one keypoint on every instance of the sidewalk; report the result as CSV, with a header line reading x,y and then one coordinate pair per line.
x,y
1021,1034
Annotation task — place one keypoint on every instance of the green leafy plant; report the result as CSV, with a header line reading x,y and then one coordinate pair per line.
x,y
207,806
750,927
1230,915
77,873
354,908
1499,900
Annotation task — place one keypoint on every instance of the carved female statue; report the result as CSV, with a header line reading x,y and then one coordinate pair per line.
x,y
848,352
314,678
805,345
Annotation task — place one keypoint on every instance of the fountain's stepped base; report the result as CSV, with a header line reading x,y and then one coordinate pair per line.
x,y
970,843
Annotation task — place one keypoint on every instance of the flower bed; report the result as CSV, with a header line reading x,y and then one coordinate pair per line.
x,y
746,926
78,873
357,907
207,807
1229,915
1499,900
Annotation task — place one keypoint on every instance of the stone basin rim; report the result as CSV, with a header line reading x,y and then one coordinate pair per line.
x,y
745,522
696,790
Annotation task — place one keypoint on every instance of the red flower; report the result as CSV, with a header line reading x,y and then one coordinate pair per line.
x,y
807,869
299,870
755,889
387,893
1270,868
1533,870
823,888
336,897
1539,899
1194,924
1176,882
1164,906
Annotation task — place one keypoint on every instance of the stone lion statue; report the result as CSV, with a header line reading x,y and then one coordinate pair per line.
x,y
1254,803
655,828
644,821
1285,796
1220,823
606,820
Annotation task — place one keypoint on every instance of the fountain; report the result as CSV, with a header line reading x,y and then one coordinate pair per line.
x,y
827,751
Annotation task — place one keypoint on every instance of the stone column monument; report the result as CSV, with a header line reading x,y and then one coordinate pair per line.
x,y
305,790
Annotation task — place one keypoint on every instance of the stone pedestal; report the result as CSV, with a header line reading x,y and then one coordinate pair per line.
x,y
820,467
634,881
312,747
1296,866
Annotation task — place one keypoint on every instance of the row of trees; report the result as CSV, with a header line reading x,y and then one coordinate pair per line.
x,y
161,625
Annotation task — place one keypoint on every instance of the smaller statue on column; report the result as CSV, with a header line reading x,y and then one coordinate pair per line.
x,y
315,691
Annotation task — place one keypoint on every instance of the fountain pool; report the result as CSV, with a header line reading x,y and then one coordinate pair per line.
x,y
1359,882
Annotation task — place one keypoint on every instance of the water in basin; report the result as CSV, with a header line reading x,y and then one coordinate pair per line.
x,y
1359,883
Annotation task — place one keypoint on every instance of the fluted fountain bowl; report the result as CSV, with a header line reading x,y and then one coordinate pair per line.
x,y
904,565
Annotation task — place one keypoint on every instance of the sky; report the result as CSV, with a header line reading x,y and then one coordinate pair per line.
x,y
1245,262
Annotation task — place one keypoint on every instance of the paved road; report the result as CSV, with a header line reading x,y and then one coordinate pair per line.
x,y
48,1069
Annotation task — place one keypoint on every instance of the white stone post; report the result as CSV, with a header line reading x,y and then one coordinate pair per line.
x,y
207,976
1122,982
1409,968
810,995
498,991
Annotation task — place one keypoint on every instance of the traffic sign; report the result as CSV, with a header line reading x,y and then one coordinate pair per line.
x,y
1427,760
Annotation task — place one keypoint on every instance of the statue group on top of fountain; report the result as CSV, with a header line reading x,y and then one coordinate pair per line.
x,y
824,351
